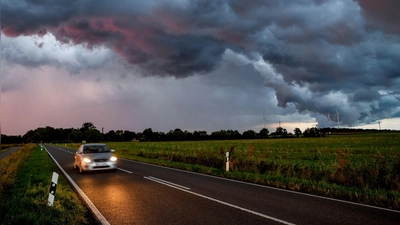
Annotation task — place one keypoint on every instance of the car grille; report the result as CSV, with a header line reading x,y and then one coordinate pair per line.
x,y
97,167
100,160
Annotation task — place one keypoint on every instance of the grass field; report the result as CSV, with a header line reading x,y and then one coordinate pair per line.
x,y
362,168
25,182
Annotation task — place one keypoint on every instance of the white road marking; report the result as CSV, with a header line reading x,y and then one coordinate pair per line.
x,y
216,200
166,182
127,171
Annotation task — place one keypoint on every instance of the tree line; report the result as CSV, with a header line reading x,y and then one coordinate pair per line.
x,y
89,133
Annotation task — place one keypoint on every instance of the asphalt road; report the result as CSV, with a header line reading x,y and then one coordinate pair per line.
x,y
140,193
9,152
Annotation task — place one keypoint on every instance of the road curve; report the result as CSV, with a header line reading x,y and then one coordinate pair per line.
x,y
140,193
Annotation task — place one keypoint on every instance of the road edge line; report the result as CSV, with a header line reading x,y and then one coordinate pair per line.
x,y
83,196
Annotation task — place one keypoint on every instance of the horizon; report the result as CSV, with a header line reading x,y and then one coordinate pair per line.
x,y
365,127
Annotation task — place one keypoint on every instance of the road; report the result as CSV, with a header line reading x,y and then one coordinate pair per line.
x,y
140,193
9,152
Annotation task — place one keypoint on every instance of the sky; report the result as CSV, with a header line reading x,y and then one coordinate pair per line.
x,y
199,65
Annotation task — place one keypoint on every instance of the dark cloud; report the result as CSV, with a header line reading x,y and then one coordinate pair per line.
x,y
138,36
365,95
34,17
317,48
382,14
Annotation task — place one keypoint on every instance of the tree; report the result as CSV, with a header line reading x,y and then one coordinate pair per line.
x,y
28,136
88,126
200,135
120,135
76,136
297,132
159,136
148,134
129,135
250,134
111,136
281,131
235,134
312,132
220,135
12,139
263,133
176,135
93,135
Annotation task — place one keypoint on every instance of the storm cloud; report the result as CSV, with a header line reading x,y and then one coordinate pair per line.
x,y
317,56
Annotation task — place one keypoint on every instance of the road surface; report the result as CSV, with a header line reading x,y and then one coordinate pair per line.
x,y
9,152
140,193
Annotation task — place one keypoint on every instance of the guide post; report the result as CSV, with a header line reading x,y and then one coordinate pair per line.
x,y
227,161
53,186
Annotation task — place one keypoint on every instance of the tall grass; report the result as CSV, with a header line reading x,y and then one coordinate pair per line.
x,y
26,178
10,166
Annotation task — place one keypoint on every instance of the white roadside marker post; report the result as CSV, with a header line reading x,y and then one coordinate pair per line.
x,y
53,186
227,161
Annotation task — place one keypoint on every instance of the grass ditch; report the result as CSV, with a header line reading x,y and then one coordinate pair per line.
x,y
25,182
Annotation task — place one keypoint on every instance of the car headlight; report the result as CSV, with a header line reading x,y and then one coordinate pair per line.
x,y
113,159
86,160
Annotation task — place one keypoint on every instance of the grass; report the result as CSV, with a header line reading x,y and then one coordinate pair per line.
x,y
25,182
362,168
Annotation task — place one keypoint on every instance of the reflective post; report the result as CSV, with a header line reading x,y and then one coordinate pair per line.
x,y
227,161
53,188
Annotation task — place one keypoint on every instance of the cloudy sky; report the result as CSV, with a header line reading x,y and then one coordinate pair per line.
x,y
199,65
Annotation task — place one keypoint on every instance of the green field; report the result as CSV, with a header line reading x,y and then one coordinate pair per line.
x,y
24,189
362,168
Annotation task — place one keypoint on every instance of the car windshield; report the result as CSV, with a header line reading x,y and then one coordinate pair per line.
x,y
96,149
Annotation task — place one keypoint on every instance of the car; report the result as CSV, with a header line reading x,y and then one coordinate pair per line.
x,y
95,156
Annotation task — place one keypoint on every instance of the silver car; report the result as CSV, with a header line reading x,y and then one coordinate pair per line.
x,y
91,157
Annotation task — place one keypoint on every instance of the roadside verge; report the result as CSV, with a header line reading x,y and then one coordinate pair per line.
x,y
80,193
